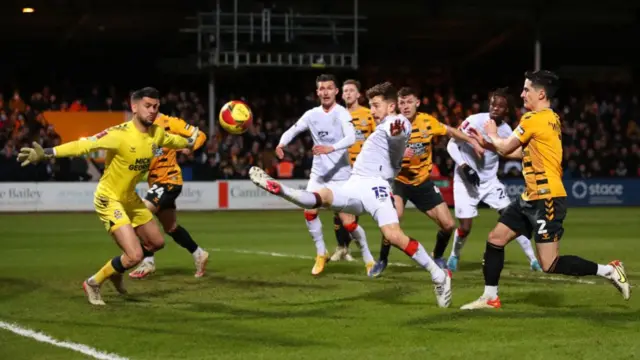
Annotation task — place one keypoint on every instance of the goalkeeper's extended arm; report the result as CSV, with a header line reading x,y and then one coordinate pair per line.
x,y
35,154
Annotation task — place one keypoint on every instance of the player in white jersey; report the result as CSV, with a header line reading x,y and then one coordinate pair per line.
x,y
476,179
332,133
368,189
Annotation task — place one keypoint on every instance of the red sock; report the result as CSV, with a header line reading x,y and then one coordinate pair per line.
x,y
412,247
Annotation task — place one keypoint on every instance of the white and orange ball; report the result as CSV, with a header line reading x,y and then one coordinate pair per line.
x,y
235,117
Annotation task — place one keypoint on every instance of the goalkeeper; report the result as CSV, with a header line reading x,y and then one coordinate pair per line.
x,y
130,147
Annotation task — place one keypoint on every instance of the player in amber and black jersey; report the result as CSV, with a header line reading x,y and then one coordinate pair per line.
x,y
165,185
541,208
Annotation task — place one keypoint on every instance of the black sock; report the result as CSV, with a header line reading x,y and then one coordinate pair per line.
x,y
146,253
493,263
442,241
348,239
573,266
384,251
182,237
116,262
342,235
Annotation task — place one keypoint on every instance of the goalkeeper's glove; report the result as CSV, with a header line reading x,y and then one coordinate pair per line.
x,y
470,175
194,136
32,155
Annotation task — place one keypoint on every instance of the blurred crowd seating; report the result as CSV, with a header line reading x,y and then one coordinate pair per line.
x,y
601,137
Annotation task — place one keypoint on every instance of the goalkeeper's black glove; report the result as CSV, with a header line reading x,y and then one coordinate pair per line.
x,y
470,175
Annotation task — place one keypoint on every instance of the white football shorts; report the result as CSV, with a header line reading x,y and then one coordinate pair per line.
x,y
467,197
366,194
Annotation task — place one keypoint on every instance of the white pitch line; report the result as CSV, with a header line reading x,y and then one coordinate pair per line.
x,y
307,257
291,256
81,348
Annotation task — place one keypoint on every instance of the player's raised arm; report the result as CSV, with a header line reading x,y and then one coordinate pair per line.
x,y
300,126
509,146
180,127
105,140
459,135
178,142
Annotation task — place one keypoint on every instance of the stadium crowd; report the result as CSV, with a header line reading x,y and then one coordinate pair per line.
x,y
601,137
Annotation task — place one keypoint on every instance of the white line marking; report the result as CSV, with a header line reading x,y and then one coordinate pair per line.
x,y
291,256
38,336
306,257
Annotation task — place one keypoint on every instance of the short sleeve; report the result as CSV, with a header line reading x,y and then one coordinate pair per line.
x,y
437,128
525,130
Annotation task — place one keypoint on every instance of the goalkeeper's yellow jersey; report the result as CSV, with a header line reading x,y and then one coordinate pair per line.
x,y
129,155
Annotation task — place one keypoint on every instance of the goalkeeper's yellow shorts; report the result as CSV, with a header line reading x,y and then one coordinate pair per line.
x,y
114,214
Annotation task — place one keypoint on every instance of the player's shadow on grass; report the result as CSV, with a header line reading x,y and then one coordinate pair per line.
x,y
391,294
471,265
185,278
246,313
11,288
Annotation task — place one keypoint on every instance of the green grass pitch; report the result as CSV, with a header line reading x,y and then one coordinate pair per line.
x,y
255,305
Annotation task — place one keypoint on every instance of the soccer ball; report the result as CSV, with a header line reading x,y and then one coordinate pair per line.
x,y
235,117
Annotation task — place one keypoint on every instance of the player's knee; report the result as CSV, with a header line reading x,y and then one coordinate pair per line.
x,y
463,230
547,264
326,196
448,226
132,257
447,223
392,235
496,238
310,215
170,227
350,227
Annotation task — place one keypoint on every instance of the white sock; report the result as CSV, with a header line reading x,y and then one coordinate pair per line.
x,y
149,260
361,237
197,253
423,259
304,199
490,292
315,229
458,243
605,271
525,244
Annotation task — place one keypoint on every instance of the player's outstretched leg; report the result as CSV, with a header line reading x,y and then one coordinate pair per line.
x,y
441,278
572,265
301,198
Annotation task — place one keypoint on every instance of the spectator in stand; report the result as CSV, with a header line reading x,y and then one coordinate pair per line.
x,y
601,137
